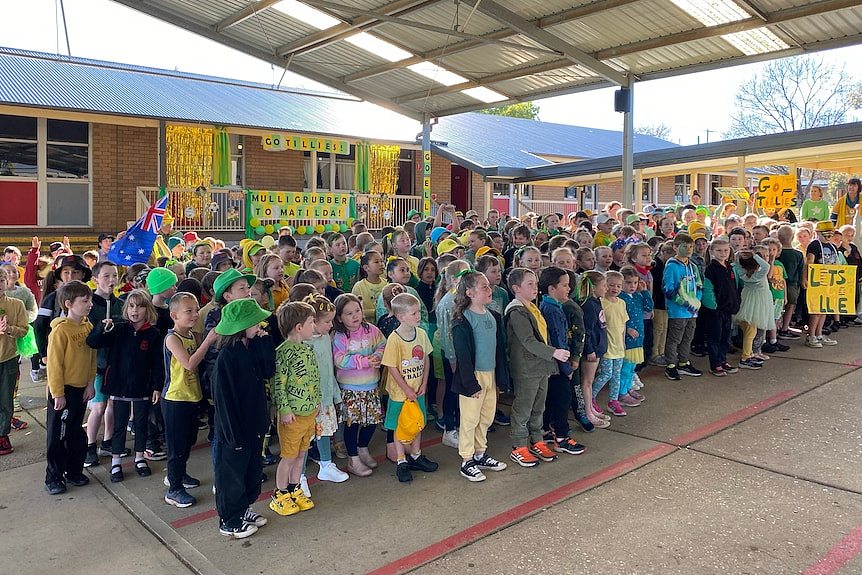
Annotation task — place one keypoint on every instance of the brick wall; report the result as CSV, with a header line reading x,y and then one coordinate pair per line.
x,y
553,193
264,170
477,194
666,190
441,177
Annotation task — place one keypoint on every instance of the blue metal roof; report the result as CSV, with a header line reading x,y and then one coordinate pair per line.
x,y
51,81
483,141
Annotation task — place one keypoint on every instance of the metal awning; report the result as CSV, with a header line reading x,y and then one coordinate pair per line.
x,y
443,57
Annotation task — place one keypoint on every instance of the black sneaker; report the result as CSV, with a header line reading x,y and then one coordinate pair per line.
x,y
179,498
471,472
253,517
422,463
718,371
189,482
270,458
402,472
92,457
585,423
117,473
502,419
699,351
729,368
749,364
78,480
488,462
788,335
242,531
568,445
780,347
55,487
672,373
769,347
689,369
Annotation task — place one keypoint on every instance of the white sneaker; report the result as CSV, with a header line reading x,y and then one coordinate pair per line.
x,y
330,472
450,438
303,483
813,341
37,375
636,382
826,341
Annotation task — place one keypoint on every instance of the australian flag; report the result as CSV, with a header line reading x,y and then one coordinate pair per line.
x,y
136,246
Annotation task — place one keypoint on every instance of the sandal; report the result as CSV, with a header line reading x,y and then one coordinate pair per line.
x,y
116,473
142,469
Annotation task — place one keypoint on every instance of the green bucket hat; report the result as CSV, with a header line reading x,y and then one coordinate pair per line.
x,y
160,280
224,281
239,315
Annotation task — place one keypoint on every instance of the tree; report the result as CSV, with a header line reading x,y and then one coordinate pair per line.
x,y
661,131
525,110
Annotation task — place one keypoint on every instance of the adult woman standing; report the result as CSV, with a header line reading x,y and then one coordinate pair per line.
x,y
846,208
815,207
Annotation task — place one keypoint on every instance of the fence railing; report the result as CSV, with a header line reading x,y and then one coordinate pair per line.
x,y
224,209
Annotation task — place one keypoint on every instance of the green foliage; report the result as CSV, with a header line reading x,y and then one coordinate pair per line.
x,y
525,110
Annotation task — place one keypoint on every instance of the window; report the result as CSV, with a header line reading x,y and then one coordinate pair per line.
x,y
237,163
646,190
571,193
501,189
17,146
681,185
334,171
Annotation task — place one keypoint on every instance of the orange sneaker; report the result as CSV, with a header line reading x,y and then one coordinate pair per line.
x,y
523,457
541,450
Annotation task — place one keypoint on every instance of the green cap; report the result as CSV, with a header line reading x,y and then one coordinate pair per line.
x,y
239,315
224,281
160,280
412,213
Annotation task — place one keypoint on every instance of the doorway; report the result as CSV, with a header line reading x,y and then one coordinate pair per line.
x,y
460,185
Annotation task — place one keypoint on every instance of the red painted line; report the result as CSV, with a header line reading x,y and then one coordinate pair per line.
x,y
839,555
733,418
210,513
518,512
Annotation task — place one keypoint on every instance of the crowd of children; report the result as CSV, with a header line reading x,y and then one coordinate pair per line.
x,y
316,348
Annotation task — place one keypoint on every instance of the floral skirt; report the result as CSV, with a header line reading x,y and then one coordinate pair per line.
x,y
326,422
362,407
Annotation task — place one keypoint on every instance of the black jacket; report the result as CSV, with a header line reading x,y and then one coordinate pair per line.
x,y
96,316
724,287
135,365
464,381
239,395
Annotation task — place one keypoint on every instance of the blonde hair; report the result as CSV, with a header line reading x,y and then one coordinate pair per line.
x,y
141,298
403,303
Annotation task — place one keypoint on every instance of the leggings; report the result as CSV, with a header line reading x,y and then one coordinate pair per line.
x,y
356,436
627,376
450,400
324,448
609,371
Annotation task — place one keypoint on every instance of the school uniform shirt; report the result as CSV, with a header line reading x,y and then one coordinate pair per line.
x,y
777,280
345,274
296,388
368,293
133,368
70,360
499,299
408,356
616,317
792,260
181,384
720,291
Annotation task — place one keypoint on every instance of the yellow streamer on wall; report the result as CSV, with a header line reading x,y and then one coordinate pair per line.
x,y
384,169
189,156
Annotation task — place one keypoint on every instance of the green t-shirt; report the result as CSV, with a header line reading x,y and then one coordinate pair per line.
x,y
345,274
815,210
296,388
777,280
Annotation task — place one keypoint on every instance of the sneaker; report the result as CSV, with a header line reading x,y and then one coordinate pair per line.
x,y
699,351
471,471
253,517
761,357
541,450
242,531
78,480
600,423
422,463
301,499
585,423
92,457
672,373
19,424
780,347
450,438
658,360
55,487
523,457
616,408
826,341
269,458
718,371
188,482
36,375
330,472
340,450
432,412
402,472
202,424
857,322
689,370
597,409
813,341
788,335
637,395
769,348
117,473
628,400
440,425
282,503
636,381
5,445
155,455
568,445
729,368
179,498
303,484
502,419
748,364
488,462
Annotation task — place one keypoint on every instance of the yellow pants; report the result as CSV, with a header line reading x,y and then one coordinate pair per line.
x,y
659,332
477,414
749,330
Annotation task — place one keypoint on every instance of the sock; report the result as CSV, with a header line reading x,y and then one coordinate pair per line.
x,y
416,455
402,460
115,460
773,341
478,456
324,463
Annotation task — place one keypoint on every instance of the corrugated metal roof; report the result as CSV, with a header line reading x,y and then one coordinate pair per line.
x,y
47,81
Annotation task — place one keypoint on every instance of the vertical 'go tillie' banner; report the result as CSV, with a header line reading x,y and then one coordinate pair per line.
x,y
831,289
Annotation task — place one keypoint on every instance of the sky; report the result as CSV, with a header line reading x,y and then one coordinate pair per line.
x,y
100,29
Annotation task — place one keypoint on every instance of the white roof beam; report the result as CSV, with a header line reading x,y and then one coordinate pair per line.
x,y
244,14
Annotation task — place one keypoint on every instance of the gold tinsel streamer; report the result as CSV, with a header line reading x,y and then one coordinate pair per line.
x,y
384,169
189,155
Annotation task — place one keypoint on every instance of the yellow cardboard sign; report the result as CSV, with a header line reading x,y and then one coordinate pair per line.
x,y
267,206
731,194
831,289
281,142
775,192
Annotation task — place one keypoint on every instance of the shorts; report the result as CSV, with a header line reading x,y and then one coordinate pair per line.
x,y
98,396
294,438
393,410
792,293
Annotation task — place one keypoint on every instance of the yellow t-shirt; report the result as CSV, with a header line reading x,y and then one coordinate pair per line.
x,y
182,385
616,317
540,319
409,357
367,292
